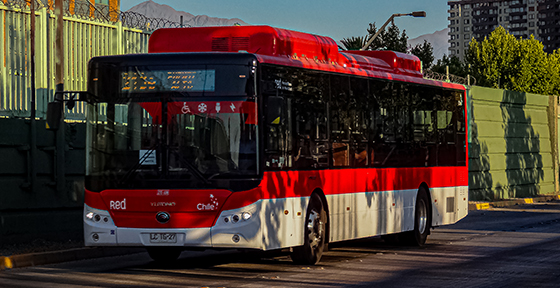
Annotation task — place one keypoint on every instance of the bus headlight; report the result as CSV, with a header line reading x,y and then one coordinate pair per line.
x,y
246,216
99,217
235,218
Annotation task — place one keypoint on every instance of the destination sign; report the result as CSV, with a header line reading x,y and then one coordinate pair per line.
x,y
148,81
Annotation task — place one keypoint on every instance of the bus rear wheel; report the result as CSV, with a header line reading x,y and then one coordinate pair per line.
x,y
315,232
164,254
422,220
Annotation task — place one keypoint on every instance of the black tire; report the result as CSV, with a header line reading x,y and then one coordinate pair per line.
x,y
422,220
315,233
164,254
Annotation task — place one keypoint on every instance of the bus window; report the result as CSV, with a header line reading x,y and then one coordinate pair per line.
x,y
310,126
449,128
359,123
340,120
423,126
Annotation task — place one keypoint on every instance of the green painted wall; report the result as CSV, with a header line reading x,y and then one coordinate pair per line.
x,y
32,205
510,153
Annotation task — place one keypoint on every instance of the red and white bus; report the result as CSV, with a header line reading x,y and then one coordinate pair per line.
x,y
253,137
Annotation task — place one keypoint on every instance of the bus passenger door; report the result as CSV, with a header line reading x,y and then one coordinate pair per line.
x,y
278,138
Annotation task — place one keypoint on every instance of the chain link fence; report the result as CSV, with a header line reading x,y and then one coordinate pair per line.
x,y
85,9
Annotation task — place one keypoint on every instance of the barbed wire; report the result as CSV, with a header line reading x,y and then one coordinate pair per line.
x,y
24,4
470,81
85,9
136,20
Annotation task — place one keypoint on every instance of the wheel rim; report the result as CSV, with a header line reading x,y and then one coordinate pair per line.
x,y
422,216
315,229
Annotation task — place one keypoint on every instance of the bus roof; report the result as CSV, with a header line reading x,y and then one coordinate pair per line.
x,y
292,48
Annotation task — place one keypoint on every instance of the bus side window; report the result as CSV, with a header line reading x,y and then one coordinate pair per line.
x,y
340,120
379,126
311,147
360,154
448,130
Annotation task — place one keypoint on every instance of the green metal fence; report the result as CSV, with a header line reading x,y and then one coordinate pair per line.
x,y
83,39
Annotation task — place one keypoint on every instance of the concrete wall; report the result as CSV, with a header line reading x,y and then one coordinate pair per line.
x,y
510,153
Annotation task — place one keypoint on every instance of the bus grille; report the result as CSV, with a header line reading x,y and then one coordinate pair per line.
x,y
239,43
222,44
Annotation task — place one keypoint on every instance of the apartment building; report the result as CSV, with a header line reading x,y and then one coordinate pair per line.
x,y
476,19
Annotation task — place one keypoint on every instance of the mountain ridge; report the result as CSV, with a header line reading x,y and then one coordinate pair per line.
x,y
152,9
438,40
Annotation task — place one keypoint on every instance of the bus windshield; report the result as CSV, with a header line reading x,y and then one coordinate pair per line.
x,y
171,143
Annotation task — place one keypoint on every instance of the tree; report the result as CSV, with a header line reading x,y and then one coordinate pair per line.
x,y
393,40
502,61
353,43
377,43
533,70
389,39
425,52
453,63
492,59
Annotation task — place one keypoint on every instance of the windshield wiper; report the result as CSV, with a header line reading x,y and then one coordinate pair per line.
x,y
234,172
137,165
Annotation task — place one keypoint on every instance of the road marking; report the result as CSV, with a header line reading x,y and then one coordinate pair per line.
x,y
6,263
482,206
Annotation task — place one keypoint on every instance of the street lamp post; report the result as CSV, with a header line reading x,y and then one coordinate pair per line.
x,y
413,14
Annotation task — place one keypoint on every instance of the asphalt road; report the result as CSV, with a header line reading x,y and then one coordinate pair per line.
x,y
513,247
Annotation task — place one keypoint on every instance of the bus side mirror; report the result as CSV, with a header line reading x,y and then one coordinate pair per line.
x,y
275,110
54,115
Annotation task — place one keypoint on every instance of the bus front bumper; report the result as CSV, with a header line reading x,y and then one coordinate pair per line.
x,y
100,230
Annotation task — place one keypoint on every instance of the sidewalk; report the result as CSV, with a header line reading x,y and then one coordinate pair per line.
x,y
482,205
59,254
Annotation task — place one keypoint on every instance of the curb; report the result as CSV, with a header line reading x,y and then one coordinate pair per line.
x,y
42,258
480,205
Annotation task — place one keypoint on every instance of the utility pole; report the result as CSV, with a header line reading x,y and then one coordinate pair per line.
x,y
59,96
59,43
33,123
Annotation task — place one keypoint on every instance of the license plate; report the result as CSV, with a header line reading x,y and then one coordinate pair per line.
x,y
163,238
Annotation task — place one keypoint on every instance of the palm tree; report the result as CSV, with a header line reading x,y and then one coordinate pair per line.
x,y
353,43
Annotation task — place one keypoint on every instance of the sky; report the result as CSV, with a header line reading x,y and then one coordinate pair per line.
x,y
334,18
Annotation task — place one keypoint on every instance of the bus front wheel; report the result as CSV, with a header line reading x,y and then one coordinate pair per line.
x,y
315,231
422,220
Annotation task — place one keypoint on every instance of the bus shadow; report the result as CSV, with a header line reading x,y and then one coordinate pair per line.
x,y
270,261
212,259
